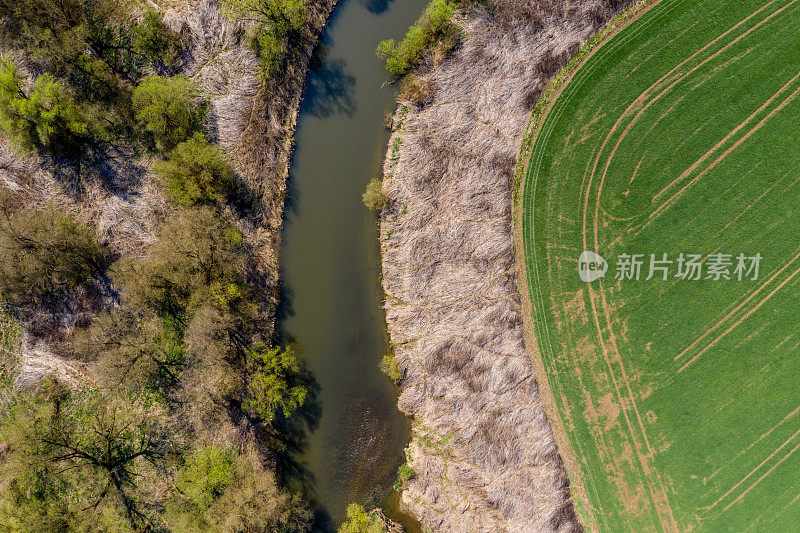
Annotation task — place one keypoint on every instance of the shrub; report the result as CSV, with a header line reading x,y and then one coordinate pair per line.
x,y
206,475
133,349
403,56
58,34
390,367
359,521
196,173
54,31
374,197
198,252
269,46
415,89
166,112
404,474
43,253
43,118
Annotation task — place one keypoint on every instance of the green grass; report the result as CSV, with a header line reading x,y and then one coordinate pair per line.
x,y
679,398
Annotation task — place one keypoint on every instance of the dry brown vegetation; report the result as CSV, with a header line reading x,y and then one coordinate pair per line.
x,y
484,455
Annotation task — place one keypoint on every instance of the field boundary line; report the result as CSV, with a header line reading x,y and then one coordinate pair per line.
x,y
546,381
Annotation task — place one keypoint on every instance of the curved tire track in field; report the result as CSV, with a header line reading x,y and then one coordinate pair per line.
x,y
731,148
644,100
656,489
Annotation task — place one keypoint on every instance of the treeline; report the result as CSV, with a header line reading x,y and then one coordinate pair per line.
x,y
185,349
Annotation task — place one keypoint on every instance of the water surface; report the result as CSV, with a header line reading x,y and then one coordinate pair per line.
x,y
330,261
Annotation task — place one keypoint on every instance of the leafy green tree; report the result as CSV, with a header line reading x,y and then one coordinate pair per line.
x,y
195,280
81,462
45,26
273,23
44,252
100,93
154,41
166,110
196,173
96,48
135,350
359,521
44,118
198,257
58,33
389,366
227,491
404,474
277,382
206,475
223,330
284,14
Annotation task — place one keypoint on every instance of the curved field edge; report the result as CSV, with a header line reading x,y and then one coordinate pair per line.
x,y
540,112
710,421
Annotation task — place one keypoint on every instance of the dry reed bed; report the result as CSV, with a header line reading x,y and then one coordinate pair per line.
x,y
483,452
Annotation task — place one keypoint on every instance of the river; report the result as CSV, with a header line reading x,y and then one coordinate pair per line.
x,y
331,266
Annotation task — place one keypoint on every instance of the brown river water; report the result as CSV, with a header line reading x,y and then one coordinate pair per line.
x,y
331,266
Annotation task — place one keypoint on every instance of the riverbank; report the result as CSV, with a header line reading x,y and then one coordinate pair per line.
x,y
484,455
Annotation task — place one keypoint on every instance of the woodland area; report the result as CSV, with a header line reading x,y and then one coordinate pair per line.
x,y
180,410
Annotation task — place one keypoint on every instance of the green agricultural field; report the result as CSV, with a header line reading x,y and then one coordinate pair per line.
x,y
679,397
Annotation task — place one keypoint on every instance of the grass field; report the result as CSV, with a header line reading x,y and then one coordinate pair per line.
x,y
680,398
